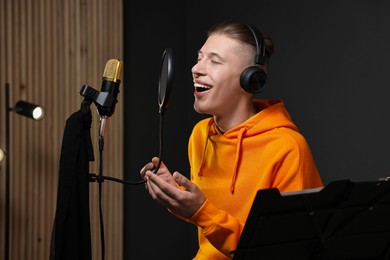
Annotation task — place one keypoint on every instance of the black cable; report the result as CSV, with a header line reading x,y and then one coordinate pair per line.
x,y
100,178
93,177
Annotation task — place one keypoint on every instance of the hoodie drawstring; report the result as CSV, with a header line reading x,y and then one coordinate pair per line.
x,y
237,160
205,147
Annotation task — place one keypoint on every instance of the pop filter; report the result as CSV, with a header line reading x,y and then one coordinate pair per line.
x,y
164,90
166,80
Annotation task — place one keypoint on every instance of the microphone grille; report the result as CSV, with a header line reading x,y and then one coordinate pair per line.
x,y
113,70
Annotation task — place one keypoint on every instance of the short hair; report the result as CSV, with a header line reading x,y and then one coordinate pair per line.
x,y
241,32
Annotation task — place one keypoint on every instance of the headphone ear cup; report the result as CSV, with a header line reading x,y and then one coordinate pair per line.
x,y
253,79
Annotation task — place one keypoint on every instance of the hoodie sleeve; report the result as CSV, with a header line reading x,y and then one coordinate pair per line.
x,y
222,230
296,168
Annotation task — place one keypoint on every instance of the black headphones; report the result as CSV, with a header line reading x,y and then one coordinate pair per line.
x,y
253,78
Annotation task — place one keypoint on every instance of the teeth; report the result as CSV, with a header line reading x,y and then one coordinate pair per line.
x,y
197,85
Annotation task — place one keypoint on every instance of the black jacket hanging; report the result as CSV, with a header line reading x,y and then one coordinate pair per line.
x,y
71,236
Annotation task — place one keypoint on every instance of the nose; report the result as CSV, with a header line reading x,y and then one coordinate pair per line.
x,y
198,69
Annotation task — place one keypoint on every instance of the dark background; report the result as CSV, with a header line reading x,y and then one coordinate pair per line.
x,y
330,66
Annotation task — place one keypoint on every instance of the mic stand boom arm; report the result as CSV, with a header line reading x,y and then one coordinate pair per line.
x,y
102,99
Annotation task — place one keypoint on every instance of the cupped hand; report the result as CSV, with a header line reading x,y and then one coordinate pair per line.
x,y
183,198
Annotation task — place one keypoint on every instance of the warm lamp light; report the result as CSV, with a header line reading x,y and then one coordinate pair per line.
x,y
1,155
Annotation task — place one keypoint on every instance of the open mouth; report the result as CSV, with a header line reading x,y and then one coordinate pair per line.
x,y
200,87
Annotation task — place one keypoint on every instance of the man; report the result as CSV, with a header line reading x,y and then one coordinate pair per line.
x,y
245,145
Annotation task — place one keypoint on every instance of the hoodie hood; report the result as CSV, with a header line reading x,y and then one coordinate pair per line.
x,y
272,114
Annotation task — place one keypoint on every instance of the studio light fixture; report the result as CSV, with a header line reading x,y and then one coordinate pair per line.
x,y
26,109
29,110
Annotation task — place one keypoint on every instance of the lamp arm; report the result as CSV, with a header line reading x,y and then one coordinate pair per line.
x,y
7,170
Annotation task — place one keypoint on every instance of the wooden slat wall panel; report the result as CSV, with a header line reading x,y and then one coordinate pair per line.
x,y
48,50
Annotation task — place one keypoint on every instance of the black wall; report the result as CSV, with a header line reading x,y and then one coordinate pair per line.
x,y
330,67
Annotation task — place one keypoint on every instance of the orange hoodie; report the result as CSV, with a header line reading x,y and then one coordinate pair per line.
x,y
266,151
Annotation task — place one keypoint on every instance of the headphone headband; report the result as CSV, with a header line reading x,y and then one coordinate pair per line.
x,y
260,46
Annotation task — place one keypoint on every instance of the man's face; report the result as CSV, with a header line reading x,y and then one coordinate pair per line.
x,y
216,75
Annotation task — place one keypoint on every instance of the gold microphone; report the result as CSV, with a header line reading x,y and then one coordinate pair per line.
x,y
110,86
113,71
109,91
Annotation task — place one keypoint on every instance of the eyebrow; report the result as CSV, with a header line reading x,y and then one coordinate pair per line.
x,y
212,55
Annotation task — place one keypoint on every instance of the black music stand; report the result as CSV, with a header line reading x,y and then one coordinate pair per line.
x,y
344,220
